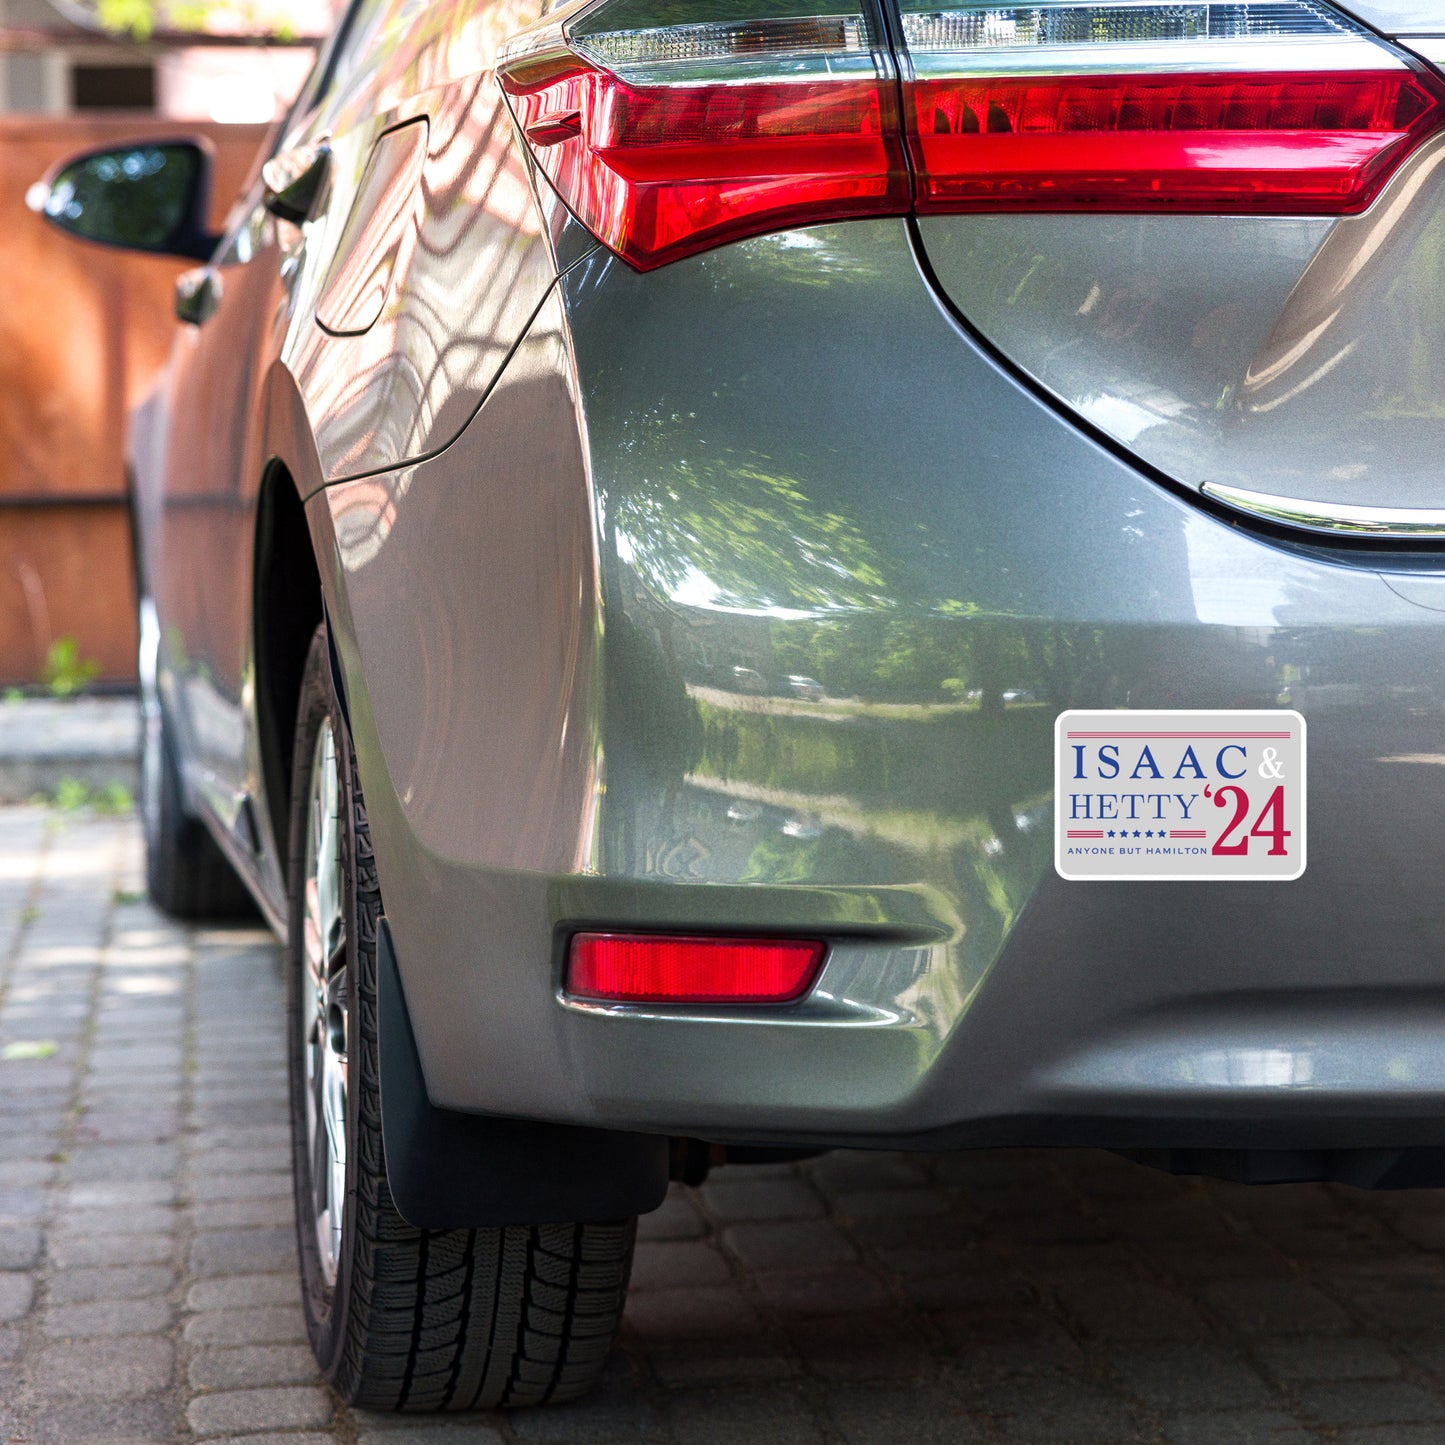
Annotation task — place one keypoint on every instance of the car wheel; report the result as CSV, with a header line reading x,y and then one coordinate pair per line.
x,y
402,1318
187,875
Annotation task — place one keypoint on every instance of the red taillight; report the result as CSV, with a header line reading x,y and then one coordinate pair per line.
x,y
668,138
647,968
658,172
1274,143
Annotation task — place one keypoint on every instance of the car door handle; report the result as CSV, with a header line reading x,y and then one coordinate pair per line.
x,y
292,181
198,293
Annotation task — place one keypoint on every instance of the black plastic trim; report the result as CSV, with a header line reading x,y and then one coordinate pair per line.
x,y
450,1170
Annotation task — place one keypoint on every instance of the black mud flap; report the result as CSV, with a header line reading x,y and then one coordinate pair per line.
x,y
450,1170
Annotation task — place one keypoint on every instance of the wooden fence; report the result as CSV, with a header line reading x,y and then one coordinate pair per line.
x,y
83,331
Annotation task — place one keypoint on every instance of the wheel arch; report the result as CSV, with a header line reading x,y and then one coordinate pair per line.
x,y
288,605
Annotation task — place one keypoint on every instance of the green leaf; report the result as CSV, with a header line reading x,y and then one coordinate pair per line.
x,y
28,1049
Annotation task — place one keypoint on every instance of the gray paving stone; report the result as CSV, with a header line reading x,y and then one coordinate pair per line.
x,y
779,1414
674,1264
1009,1341
1276,1307
274,1158
1175,1377
611,1414
1391,1435
122,1161
19,1246
424,1431
104,1422
849,1170
23,1175
1306,1357
107,1317
804,1244
243,1251
239,1291
739,1198
76,1249
843,1289
732,1362
1247,1427
270,1325
239,1186
121,1193
861,1348
252,1365
271,1210
1366,1402
126,1282
703,1312
17,1293
274,1408
21,1205
893,1414
128,1219
269,1437
108,1369
861,1204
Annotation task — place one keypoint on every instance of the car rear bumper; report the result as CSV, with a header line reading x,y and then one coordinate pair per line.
x,y
550,635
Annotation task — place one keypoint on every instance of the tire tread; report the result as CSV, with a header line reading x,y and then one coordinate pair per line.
x,y
452,1319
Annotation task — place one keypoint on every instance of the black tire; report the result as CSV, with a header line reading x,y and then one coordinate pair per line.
x,y
420,1319
187,875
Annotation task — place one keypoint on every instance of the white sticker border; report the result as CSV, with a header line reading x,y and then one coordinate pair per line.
x,y
1274,713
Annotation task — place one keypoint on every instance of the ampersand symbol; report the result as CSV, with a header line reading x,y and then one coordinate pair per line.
x,y
1269,768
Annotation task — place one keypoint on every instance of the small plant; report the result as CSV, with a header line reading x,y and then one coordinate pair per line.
x,y
14,695
28,1049
71,795
112,799
66,672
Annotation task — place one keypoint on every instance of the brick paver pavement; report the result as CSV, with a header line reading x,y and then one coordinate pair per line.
x,y
147,1275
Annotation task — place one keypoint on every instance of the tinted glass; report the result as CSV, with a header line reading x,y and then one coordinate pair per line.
x,y
141,197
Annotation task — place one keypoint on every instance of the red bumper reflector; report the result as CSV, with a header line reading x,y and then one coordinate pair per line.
x,y
648,968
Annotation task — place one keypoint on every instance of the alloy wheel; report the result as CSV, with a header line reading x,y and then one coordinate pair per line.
x,y
323,947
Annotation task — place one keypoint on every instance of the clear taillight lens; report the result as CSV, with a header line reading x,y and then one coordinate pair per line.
x,y
669,138
1282,107
665,140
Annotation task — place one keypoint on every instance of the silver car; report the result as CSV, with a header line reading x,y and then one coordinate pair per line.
x,y
1052,395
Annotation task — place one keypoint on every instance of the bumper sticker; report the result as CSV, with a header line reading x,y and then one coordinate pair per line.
x,y
1171,795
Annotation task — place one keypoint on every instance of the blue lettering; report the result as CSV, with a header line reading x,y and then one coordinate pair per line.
x,y
1219,761
1146,757
1188,760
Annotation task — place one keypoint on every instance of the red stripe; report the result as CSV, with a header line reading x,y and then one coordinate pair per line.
x,y
1178,735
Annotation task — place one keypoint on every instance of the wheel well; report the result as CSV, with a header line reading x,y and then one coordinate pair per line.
x,y
288,607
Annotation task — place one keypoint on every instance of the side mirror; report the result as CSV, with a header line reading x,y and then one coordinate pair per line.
x,y
147,196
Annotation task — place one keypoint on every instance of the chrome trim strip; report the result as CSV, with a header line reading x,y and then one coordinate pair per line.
x,y
1332,517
